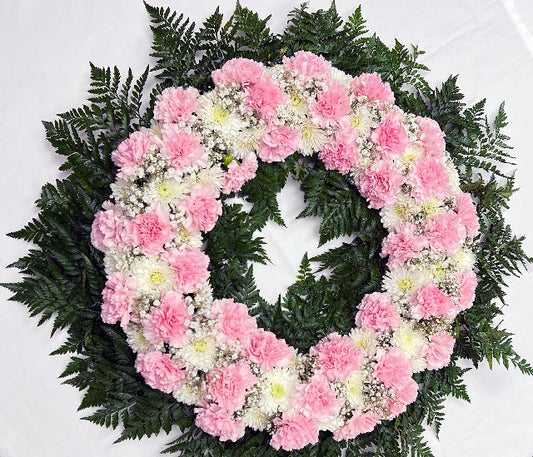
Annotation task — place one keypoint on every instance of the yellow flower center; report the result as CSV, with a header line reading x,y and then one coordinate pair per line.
x,y
163,190
461,256
277,391
405,285
200,345
295,100
430,206
438,270
408,157
220,114
361,342
357,120
410,154
157,277
308,133
142,339
353,389
401,211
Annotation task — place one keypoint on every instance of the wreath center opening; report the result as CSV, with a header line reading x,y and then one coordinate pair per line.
x,y
287,245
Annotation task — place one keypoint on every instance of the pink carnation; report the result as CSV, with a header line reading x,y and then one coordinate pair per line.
x,y
380,183
218,421
359,423
233,321
202,208
377,312
466,282
265,349
332,106
190,268
439,350
168,321
340,152
430,301
429,178
182,149
403,397
308,65
371,86
317,400
176,104
394,369
264,96
111,229
390,136
278,143
129,154
402,245
445,232
407,394
466,211
159,371
118,297
239,71
227,385
151,230
237,174
431,136
294,432
337,357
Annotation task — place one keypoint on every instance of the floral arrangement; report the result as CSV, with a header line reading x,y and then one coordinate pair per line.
x,y
152,278
210,352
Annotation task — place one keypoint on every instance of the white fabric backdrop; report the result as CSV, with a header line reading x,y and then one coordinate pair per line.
x,y
46,47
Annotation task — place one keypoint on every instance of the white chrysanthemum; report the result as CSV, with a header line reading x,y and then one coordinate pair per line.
x,y
431,207
136,338
410,340
188,392
246,142
399,212
411,153
364,339
117,260
353,389
152,275
212,176
121,190
331,424
403,282
464,259
313,138
164,190
362,120
184,237
296,110
200,352
218,117
277,387
256,419
455,184
341,77
438,269
203,297
419,364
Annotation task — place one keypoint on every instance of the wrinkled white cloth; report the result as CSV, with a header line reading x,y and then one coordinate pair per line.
x,y
46,47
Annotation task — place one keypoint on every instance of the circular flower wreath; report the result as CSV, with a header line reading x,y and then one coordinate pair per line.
x,y
210,352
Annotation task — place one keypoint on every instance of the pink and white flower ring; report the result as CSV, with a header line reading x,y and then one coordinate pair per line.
x,y
209,352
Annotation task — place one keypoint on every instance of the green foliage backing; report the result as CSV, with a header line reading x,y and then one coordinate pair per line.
x,y
62,275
